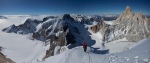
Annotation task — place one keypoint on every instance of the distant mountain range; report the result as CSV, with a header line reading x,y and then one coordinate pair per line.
x,y
3,17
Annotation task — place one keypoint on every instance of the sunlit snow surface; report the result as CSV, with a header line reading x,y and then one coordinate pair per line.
x,y
21,49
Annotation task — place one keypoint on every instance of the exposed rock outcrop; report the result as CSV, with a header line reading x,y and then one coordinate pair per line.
x,y
101,26
67,17
63,38
3,58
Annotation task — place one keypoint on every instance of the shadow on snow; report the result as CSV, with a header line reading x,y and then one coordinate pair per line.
x,y
97,51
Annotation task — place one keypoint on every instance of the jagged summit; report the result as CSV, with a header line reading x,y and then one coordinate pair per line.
x,y
132,26
126,15
128,10
128,7
140,14
67,17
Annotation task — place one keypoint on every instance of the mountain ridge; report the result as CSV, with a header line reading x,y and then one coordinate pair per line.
x,y
132,26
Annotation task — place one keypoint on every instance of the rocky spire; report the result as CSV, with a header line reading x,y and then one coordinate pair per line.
x,y
140,14
128,11
130,24
128,8
126,15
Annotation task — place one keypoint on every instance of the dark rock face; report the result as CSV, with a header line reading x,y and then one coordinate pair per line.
x,y
67,17
65,27
70,38
76,30
10,29
46,18
0,48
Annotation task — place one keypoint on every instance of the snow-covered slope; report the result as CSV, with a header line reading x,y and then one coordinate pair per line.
x,y
138,54
22,49
18,47
113,47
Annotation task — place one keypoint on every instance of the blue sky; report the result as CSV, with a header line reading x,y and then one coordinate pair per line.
x,y
58,7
